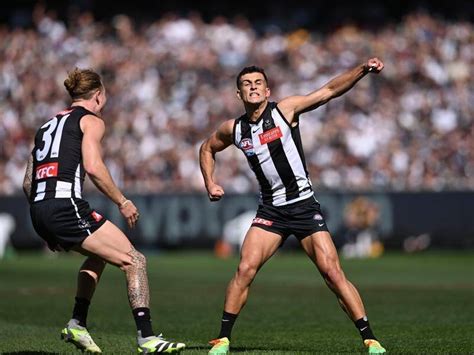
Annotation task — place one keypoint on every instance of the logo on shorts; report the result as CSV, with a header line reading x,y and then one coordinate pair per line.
x,y
263,221
96,216
83,224
247,146
318,217
46,171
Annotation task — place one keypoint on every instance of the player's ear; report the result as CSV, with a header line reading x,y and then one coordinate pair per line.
x,y
239,95
267,93
96,97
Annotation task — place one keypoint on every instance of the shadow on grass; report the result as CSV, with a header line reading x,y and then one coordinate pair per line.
x,y
241,349
237,349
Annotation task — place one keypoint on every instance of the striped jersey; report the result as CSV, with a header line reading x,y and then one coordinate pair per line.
x,y
58,170
274,152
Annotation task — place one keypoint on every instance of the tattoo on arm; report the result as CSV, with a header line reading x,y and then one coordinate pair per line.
x,y
137,281
27,181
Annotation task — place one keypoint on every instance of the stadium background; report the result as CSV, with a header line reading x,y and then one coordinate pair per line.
x,y
392,163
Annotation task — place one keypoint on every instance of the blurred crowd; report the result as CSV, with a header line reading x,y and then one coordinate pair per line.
x,y
171,82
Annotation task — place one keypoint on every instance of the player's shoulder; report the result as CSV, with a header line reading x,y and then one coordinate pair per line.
x,y
91,122
227,126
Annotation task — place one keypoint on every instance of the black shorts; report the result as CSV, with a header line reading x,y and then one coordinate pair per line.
x,y
64,221
301,219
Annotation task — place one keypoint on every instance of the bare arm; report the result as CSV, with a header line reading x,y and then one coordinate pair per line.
x,y
217,142
294,105
27,180
93,129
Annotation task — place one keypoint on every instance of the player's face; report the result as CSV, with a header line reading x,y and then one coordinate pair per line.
x,y
253,88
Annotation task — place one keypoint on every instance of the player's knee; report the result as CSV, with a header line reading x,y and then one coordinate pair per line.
x,y
134,260
246,271
140,260
335,276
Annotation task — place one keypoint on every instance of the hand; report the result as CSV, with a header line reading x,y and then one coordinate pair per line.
x,y
215,192
374,65
130,212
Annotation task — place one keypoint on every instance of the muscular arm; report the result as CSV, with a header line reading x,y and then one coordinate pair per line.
x,y
217,142
27,180
93,129
294,105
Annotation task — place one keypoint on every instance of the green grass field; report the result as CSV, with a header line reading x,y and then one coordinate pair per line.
x,y
417,304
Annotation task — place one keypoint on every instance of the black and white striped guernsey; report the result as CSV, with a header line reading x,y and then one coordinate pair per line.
x,y
58,170
275,154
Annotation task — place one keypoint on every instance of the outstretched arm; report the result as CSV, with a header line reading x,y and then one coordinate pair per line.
x,y
217,142
294,105
28,178
93,129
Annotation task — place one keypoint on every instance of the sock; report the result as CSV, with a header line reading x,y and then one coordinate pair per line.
x,y
364,328
143,321
227,322
81,308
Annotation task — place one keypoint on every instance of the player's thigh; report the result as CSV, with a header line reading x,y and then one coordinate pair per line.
x,y
259,245
321,250
108,243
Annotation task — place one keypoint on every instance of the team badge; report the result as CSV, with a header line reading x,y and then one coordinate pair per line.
x,y
267,124
247,146
83,224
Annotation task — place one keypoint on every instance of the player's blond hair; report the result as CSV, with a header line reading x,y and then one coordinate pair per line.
x,y
82,83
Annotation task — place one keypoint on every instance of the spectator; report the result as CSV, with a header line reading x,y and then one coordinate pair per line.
x,y
169,85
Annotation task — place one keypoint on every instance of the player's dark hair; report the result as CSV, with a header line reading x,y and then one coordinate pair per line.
x,y
248,70
82,83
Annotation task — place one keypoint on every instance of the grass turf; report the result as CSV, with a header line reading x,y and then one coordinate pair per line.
x,y
417,304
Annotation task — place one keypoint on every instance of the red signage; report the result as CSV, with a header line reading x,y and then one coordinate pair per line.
x,y
263,221
270,135
46,171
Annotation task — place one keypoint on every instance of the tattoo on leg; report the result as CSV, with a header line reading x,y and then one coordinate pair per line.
x,y
137,280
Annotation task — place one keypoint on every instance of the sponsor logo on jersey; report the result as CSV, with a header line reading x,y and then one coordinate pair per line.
x,y
263,221
96,216
45,171
270,135
247,146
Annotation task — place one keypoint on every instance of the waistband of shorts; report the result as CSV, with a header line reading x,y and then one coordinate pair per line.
x,y
303,202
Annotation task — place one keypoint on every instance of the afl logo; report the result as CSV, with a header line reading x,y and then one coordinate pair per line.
x,y
247,146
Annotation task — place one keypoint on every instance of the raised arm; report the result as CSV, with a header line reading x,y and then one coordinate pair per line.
x,y
93,129
28,178
294,105
217,142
